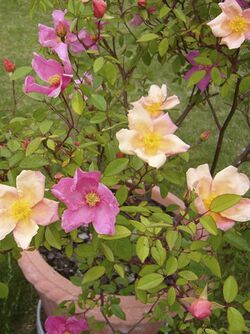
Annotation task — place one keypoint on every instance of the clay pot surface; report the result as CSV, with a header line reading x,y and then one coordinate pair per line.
x,y
53,288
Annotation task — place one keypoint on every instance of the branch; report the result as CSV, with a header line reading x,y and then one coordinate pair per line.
x,y
243,157
224,127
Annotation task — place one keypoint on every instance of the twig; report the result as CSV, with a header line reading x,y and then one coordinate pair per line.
x,y
217,122
243,157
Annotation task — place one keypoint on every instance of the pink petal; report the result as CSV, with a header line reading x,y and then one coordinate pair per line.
x,y
199,205
220,26
230,181
157,160
76,326
136,21
30,86
46,68
45,212
246,14
239,212
108,198
171,144
74,219
56,90
24,232
125,138
195,175
104,220
30,186
55,325
222,223
231,8
234,40
170,102
7,224
47,36
204,82
58,17
62,51
164,125
66,80
191,57
8,195
85,182
64,191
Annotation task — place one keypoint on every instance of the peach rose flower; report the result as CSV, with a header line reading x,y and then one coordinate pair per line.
x,y
233,24
227,181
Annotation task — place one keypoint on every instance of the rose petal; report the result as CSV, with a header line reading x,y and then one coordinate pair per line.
x,y
164,125
30,186
104,220
55,324
7,223
203,84
231,8
195,175
74,219
156,160
170,102
46,68
171,144
222,223
24,232
45,212
47,36
8,195
234,40
239,212
125,138
30,86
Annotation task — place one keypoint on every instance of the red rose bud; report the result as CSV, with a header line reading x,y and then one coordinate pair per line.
x,y
100,8
200,308
25,143
61,30
152,9
120,154
77,143
8,65
205,135
142,3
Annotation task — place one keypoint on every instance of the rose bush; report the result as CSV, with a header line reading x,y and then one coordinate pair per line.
x,y
103,155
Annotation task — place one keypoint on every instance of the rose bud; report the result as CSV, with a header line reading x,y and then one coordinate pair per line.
x,y
142,3
205,135
77,143
100,7
200,308
25,143
120,154
8,65
58,176
152,10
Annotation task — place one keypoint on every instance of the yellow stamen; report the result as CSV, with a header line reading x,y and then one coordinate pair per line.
x,y
67,332
151,143
238,24
20,210
207,201
54,80
92,199
154,109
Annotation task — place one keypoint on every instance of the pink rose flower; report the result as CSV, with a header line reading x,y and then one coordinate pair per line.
x,y
51,72
23,208
88,201
227,181
200,308
204,82
62,325
99,7
233,24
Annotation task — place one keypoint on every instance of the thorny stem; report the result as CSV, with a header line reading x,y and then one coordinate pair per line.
x,y
224,127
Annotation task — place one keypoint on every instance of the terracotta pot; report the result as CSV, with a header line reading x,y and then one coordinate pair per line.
x,y
53,288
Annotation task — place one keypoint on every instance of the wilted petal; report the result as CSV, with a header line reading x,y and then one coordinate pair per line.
x,y
7,223
230,181
239,212
45,212
234,40
30,186
74,219
24,232
191,72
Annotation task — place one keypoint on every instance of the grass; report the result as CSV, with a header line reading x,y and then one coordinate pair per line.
x,y
18,41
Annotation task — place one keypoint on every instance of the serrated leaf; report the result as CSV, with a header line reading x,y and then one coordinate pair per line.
x,y
115,167
93,274
209,224
150,281
230,289
224,202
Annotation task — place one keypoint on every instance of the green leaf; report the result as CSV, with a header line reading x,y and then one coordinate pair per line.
x,y
224,202
35,161
120,233
171,238
163,11
212,263
33,146
77,103
110,72
21,72
230,289
180,15
4,291
159,253
247,305
209,224
245,84
118,312
108,252
150,281
134,209
163,47
122,194
196,77
142,248
98,118
98,64
171,296
216,76
235,320
120,270
171,265
93,274
52,237
116,167
147,38
236,241
188,275
98,101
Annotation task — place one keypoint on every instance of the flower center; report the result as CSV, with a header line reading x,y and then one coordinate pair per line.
x,y
207,201
20,210
54,80
151,142
238,24
92,199
61,30
67,332
154,109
